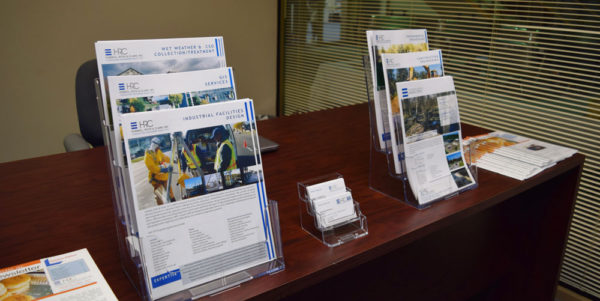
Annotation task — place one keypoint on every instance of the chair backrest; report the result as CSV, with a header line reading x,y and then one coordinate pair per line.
x,y
87,107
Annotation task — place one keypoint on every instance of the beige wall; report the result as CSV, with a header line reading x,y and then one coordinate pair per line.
x,y
44,42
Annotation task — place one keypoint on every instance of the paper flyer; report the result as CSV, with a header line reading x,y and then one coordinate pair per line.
x,y
70,276
140,93
400,67
199,193
389,41
515,156
430,126
143,57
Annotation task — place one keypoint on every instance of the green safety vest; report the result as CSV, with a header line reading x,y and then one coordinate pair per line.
x,y
189,160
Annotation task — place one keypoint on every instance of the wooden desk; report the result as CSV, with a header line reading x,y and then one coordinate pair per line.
x,y
503,240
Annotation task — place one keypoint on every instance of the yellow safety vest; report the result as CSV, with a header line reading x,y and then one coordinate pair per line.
x,y
189,160
232,162
153,160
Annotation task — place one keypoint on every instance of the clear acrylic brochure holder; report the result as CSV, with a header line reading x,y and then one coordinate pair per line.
x,y
339,233
382,175
129,240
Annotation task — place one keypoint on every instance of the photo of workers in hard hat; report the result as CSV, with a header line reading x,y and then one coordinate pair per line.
x,y
182,165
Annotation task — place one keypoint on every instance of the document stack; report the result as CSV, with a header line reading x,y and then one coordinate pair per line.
x,y
415,119
515,156
193,213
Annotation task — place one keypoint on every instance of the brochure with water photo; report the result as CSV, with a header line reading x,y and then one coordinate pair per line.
x,y
199,193
389,41
430,127
70,276
401,67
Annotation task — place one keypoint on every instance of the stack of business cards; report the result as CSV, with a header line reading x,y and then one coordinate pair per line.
x,y
331,203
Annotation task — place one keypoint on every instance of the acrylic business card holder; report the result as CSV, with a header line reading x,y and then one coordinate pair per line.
x,y
383,177
343,231
129,242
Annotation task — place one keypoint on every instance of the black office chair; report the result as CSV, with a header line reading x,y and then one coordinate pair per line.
x,y
87,110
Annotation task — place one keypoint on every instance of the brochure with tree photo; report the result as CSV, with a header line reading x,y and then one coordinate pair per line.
x,y
389,41
430,127
199,193
401,67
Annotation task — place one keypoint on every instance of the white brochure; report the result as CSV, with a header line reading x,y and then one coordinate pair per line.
x,y
143,57
199,193
132,94
430,126
515,156
389,41
401,67
140,57
70,276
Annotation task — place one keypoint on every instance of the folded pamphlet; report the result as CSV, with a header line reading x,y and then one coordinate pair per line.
x,y
71,276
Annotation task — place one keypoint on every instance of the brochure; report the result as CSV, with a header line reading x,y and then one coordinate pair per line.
x,y
140,57
143,57
199,193
140,93
400,67
430,125
71,276
515,156
389,41
132,94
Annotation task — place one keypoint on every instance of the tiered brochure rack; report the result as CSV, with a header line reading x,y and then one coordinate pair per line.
x,y
382,176
129,241
340,232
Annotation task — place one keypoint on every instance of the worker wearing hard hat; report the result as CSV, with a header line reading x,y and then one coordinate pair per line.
x,y
226,158
158,171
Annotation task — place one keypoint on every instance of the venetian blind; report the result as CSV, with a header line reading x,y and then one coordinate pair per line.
x,y
528,67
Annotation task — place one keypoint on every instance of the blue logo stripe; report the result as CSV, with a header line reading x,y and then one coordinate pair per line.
x,y
271,251
263,216
252,110
217,46
230,78
441,63
246,105
222,46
